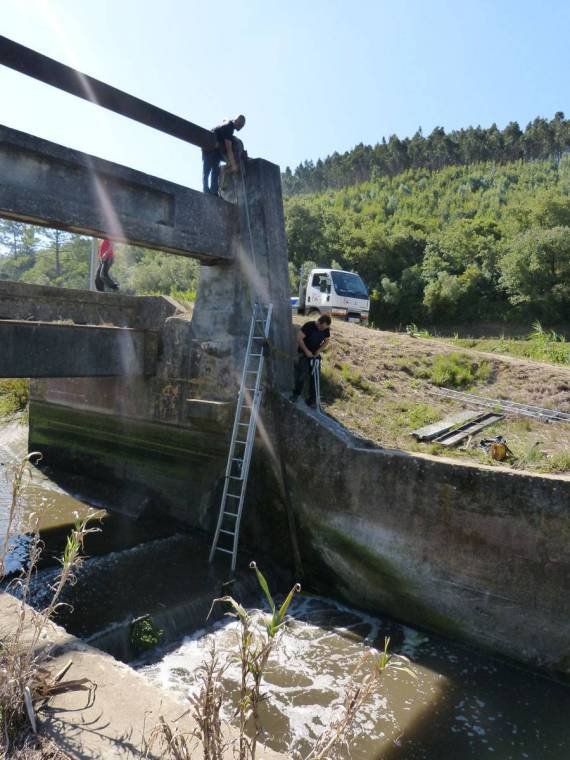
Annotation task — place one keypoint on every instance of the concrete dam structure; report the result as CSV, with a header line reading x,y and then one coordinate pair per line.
x,y
140,394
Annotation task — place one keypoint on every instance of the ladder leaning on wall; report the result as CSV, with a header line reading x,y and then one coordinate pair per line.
x,y
226,537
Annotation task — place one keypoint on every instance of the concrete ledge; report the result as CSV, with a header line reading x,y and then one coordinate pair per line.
x,y
112,717
45,349
476,553
43,303
45,183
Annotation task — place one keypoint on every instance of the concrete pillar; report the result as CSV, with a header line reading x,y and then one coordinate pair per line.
x,y
227,292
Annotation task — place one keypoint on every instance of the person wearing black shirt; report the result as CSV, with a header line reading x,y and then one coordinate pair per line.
x,y
222,152
311,339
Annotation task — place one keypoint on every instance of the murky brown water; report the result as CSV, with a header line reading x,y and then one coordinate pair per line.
x,y
41,497
462,705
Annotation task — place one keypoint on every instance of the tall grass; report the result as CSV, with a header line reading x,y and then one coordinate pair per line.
x,y
25,680
458,371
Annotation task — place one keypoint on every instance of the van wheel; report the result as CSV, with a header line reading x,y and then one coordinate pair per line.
x,y
312,312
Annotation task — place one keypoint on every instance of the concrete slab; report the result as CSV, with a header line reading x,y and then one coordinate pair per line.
x,y
118,709
45,183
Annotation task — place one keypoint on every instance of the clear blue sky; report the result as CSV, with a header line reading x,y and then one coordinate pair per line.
x,y
312,76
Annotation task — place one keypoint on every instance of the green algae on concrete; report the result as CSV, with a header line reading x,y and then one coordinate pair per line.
x,y
178,464
377,583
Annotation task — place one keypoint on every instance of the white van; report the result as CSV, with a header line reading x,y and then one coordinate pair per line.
x,y
334,292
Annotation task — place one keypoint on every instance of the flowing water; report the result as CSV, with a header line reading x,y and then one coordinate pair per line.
x,y
462,705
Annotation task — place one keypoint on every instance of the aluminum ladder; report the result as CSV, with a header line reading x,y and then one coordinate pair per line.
x,y
226,537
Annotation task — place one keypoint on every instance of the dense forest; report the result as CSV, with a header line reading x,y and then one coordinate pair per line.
x,y
541,140
478,242
436,243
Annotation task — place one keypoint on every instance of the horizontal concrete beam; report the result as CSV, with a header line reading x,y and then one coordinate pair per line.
x,y
47,184
44,349
39,66
44,303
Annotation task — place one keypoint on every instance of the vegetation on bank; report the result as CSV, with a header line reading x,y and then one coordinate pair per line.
x,y
539,345
383,385
26,681
14,396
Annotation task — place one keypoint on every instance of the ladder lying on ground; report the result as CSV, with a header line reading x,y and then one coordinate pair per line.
x,y
243,434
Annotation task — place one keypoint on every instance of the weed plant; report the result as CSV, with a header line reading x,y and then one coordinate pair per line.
x,y
458,371
255,642
25,678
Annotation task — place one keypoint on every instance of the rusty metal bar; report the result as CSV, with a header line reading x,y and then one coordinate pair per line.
x,y
47,70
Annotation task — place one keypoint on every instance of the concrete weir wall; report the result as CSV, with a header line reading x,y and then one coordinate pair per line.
x,y
159,441
475,553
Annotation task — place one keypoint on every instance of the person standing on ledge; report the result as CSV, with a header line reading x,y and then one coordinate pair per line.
x,y
106,257
224,151
311,339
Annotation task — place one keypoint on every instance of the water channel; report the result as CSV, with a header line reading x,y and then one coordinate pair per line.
x,y
462,703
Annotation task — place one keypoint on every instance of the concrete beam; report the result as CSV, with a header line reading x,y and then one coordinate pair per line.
x,y
44,303
39,66
47,184
44,349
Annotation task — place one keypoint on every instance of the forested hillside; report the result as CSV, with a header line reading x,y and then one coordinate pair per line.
x,y
541,140
462,243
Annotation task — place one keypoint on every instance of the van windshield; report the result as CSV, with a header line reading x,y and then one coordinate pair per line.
x,y
349,285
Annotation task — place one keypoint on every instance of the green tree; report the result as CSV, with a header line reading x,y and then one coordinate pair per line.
x,y
535,271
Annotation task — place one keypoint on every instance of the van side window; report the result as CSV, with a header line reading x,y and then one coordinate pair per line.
x,y
317,281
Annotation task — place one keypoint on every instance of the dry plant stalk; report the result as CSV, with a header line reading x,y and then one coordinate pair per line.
x,y
338,732
24,677
254,647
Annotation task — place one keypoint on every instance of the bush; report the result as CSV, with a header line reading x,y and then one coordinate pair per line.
x,y
458,371
14,396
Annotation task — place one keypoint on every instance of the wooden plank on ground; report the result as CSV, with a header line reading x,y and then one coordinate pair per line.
x,y
429,432
455,436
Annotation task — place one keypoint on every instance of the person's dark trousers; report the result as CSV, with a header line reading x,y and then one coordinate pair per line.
x,y
211,166
103,279
302,369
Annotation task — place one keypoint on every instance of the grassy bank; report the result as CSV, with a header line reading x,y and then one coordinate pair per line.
x,y
383,385
539,344
14,396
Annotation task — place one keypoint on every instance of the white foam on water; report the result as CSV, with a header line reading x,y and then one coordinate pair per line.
x,y
307,676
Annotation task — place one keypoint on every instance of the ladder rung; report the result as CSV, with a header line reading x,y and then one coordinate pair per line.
x,y
244,442
231,514
225,551
227,532
237,459
233,496
256,354
234,477
244,424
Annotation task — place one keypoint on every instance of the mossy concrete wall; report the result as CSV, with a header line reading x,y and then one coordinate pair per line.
x,y
477,553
